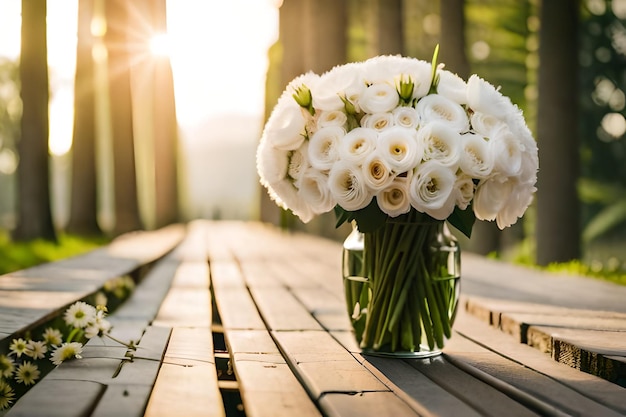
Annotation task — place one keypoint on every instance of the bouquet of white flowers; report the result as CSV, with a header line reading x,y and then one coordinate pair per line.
x,y
397,139
377,138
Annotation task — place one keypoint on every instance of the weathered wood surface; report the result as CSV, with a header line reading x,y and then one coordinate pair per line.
x,y
25,296
243,319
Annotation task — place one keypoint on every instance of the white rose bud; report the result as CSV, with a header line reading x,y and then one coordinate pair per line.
x,y
285,127
331,118
483,97
490,197
452,86
507,151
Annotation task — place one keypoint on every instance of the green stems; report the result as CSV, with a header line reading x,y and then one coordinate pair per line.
x,y
408,300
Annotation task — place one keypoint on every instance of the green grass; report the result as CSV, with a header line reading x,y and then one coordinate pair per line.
x,y
19,255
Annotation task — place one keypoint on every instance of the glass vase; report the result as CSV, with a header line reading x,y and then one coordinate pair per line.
x,y
401,285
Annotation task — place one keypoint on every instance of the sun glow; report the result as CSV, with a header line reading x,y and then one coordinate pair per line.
x,y
160,45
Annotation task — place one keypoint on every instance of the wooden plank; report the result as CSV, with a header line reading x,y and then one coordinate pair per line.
x,y
527,369
415,388
236,308
281,311
226,274
250,341
269,388
190,347
66,399
324,365
365,404
469,389
186,390
123,400
185,307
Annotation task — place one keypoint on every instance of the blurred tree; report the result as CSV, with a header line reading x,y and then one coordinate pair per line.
x,y
116,39
558,219
386,27
34,211
10,116
324,34
500,48
84,196
603,129
164,124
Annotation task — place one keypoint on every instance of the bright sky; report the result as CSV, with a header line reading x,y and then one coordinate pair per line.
x,y
219,57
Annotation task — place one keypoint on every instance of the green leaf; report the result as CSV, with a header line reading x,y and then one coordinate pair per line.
x,y
367,219
463,220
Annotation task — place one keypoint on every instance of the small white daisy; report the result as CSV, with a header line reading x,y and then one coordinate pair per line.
x,y
36,349
27,373
66,351
80,314
6,395
18,347
52,337
100,325
6,366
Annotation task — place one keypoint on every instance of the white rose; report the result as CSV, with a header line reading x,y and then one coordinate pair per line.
x,y
431,190
323,146
313,188
344,81
286,195
272,166
406,117
476,156
464,190
435,107
485,124
379,98
378,121
347,186
483,97
452,86
272,163
331,118
507,152
394,200
520,198
490,197
440,142
376,172
285,127
298,161
357,144
399,147
391,69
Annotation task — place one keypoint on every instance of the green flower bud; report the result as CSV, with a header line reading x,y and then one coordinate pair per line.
x,y
405,89
304,98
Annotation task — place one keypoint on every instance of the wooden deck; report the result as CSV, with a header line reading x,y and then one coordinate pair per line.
x,y
242,319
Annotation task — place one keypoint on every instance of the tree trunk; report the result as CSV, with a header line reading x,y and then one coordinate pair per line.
x,y
558,228
389,28
165,130
84,198
125,178
325,23
452,43
34,208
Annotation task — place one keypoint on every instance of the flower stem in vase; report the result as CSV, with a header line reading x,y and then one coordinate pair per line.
x,y
412,274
